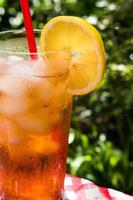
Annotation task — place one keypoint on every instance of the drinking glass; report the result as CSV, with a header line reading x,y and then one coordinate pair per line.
x,y
35,112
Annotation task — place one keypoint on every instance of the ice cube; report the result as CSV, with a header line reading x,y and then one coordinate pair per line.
x,y
12,85
15,77
43,145
37,121
59,96
4,66
15,133
25,67
43,90
15,58
14,105
9,131
57,63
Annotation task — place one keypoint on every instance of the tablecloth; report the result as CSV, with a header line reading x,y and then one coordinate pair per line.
x,y
82,189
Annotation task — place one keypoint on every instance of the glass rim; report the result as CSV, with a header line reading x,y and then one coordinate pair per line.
x,y
16,32
19,31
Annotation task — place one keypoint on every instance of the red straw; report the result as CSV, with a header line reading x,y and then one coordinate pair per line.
x,y
28,27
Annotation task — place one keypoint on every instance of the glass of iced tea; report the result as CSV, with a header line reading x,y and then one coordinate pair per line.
x,y
35,111
35,103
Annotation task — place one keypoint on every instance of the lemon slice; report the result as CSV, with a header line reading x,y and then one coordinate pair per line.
x,y
78,49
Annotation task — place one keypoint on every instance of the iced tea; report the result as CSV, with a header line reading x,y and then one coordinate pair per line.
x,y
35,112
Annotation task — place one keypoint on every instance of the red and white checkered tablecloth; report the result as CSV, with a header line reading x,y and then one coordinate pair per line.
x,y
82,189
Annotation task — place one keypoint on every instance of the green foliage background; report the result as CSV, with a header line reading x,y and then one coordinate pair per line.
x,y
101,135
